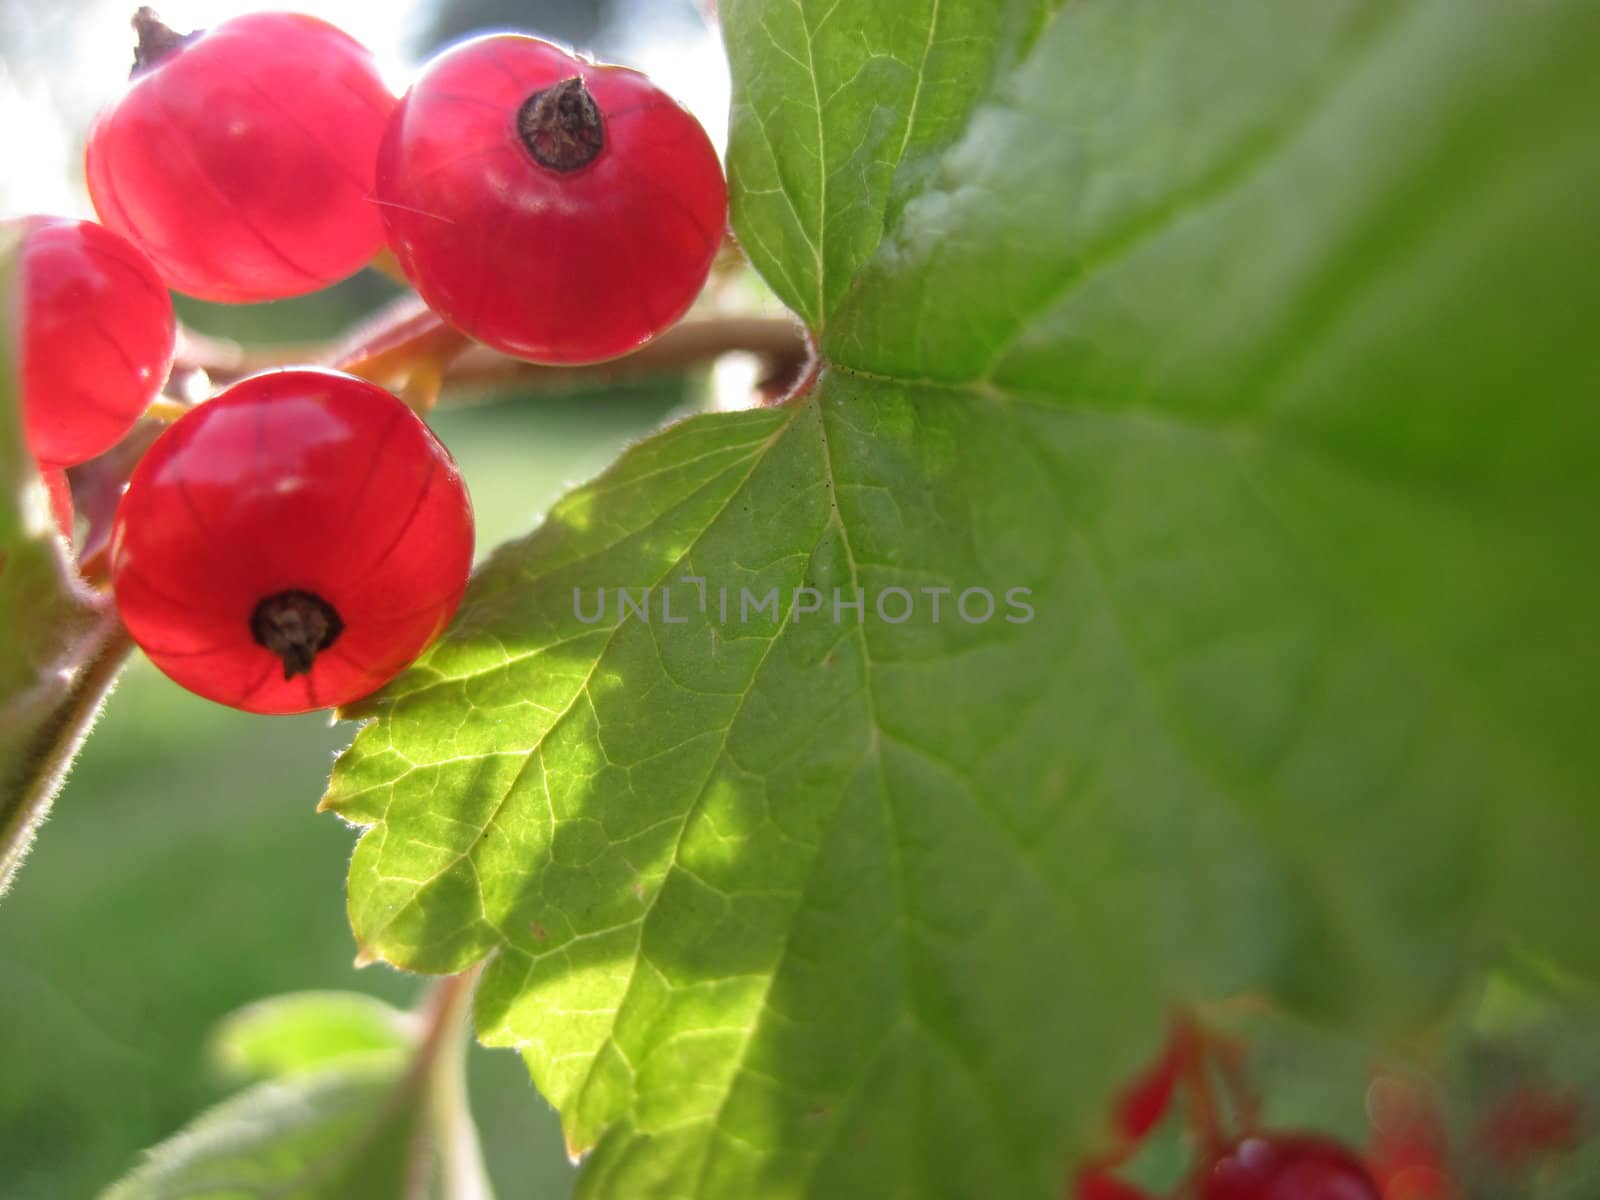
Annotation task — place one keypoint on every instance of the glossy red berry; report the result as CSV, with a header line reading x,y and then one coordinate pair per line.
x,y
1283,1166
292,543
557,210
241,157
97,338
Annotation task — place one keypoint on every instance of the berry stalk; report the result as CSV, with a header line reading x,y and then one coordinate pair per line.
x,y
73,694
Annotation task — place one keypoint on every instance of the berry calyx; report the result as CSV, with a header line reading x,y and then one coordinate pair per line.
x,y
292,543
561,126
97,338
156,41
296,626
558,210
1287,1166
241,157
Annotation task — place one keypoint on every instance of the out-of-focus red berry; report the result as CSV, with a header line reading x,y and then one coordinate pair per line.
x,y
1102,1185
1287,1166
1532,1122
1409,1154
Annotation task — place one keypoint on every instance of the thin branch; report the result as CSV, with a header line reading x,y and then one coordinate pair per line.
x,y
442,1015
386,346
83,684
777,341
447,1137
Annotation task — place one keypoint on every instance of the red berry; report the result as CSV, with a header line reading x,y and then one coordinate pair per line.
x,y
559,211
1287,1167
97,338
1533,1121
1102,1185
1410,1149
292,543
241,158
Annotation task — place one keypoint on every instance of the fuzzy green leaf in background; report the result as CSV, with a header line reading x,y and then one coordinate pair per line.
x,y
357,1101
344,1131
286,1035
1251,345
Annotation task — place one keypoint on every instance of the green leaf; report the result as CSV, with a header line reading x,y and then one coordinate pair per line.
x,y
841,109
342,1133
369,1123
285,1035
1255,341
58,655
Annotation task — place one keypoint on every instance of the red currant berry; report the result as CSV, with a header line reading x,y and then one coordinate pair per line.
x,y
1409,1150
292,543
559,211
97,338
1533,1121
1102,1185
1287,1167
241,158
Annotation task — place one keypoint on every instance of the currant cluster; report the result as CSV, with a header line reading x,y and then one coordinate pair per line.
x,y
1524,1128
294,541
1260,1164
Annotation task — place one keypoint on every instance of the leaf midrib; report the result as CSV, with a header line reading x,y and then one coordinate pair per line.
x,y
533,751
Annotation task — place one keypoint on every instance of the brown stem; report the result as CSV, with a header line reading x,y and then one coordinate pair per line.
x,y
776,341
388,347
